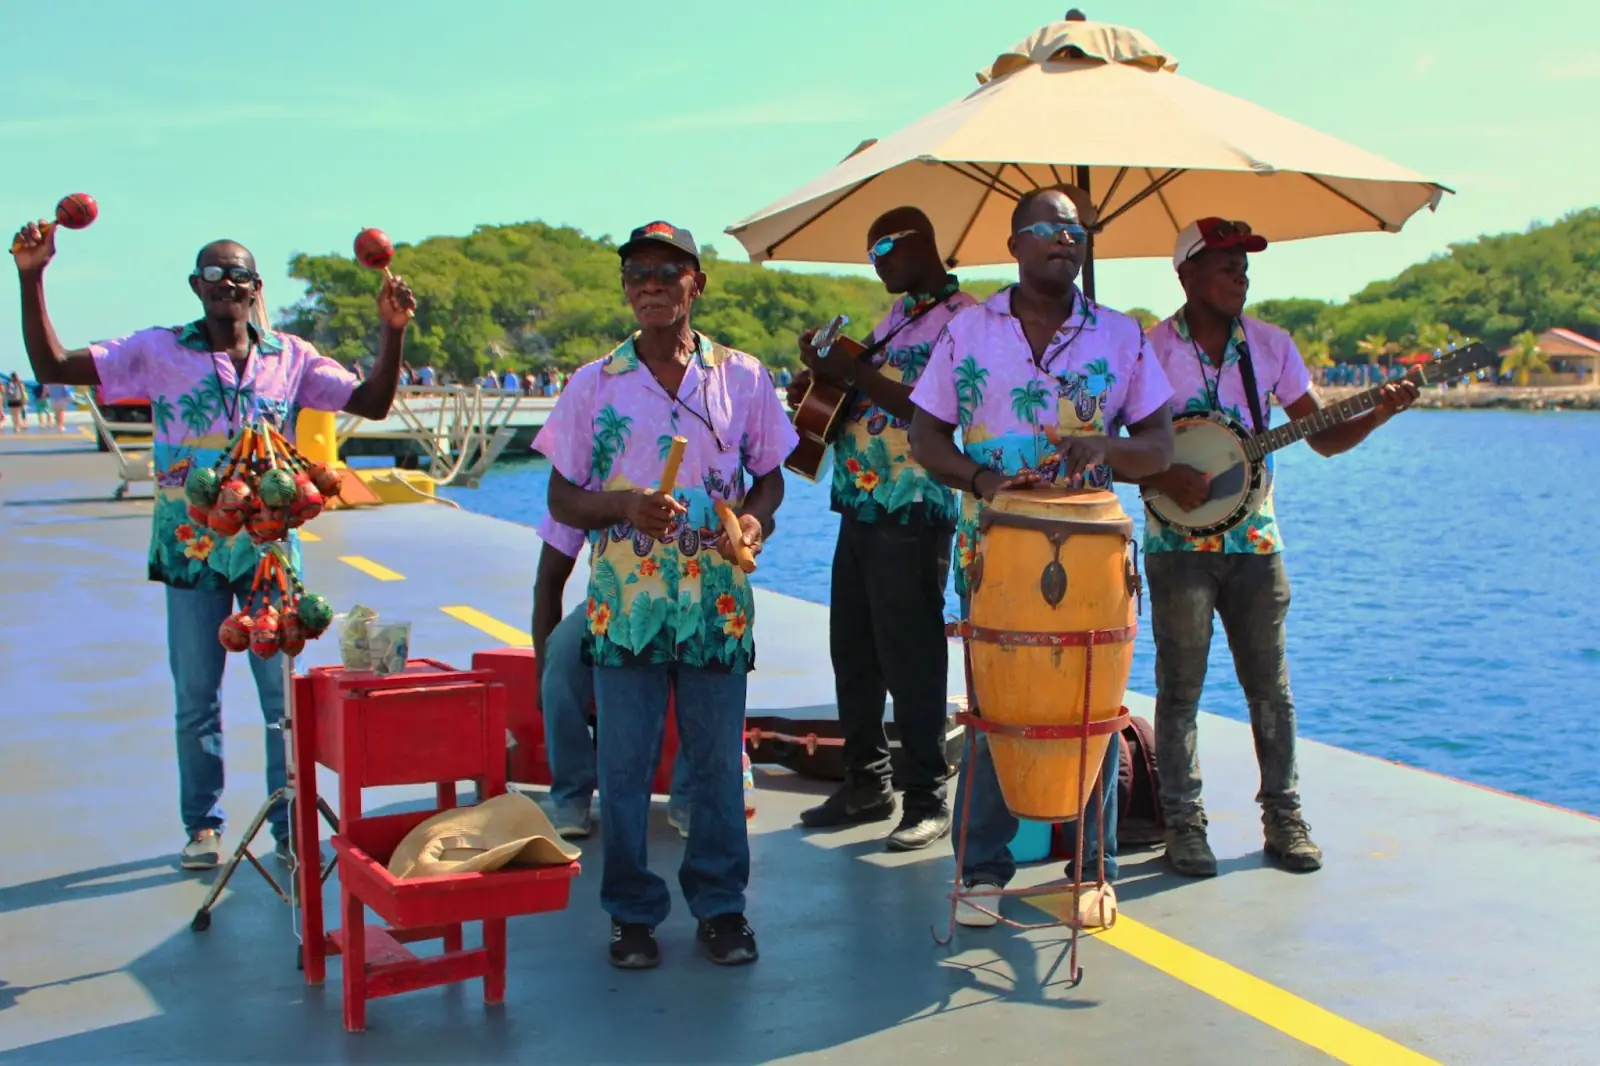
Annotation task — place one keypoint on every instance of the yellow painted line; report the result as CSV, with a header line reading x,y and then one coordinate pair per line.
x,y
308,536
370,568
86,433
1306,1022
1300,1019
497,629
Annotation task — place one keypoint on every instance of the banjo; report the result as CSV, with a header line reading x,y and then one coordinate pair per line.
x,y
1221,446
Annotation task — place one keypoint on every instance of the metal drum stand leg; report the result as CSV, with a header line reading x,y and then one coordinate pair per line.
x,y
972,719
202,917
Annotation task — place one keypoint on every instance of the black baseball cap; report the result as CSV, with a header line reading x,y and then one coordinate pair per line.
x,y
666,233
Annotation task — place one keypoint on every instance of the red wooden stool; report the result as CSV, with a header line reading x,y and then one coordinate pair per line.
x,y
428,724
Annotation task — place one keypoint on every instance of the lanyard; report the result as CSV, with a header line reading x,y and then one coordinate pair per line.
x,y
700,390
238,388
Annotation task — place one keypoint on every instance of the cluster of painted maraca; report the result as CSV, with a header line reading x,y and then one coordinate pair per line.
x,y
266,630
263,497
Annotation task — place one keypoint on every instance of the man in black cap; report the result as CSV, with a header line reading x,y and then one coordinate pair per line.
x,y
664,609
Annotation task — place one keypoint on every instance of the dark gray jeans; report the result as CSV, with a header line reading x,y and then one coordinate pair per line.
x,y
1251,593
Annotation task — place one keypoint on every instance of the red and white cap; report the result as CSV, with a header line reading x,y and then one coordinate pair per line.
x,y
1207,233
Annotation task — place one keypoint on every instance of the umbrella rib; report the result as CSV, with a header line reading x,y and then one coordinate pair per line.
x,y
1382,225
775,245
972,219
1116,183
1153,189
988,180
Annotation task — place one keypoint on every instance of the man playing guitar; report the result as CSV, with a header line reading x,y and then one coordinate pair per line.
x,y
1215,356
892,558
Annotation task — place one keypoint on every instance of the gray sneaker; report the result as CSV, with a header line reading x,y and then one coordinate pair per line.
x,y
570,823
1188,852
203,852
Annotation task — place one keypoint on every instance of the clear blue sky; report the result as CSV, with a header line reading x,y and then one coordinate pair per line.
x,y
289,125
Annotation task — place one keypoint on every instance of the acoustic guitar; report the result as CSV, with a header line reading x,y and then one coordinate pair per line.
x,y
820,413
1220,445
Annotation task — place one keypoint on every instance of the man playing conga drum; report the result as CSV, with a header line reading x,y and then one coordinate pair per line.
x,y
1035,361
666,604
1205,350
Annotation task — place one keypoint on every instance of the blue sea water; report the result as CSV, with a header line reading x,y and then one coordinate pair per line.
x,y
1443,575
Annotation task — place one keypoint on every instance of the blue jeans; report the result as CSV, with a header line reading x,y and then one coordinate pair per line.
x,y
566,692
632,714
991,826
197,660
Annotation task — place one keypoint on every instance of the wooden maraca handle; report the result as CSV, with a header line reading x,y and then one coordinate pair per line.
x,y
669,473
730,527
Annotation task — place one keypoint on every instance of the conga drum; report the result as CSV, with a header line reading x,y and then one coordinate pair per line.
x,y
1051,623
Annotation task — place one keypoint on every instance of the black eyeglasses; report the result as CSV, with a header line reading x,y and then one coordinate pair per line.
x,y
634,275
237,274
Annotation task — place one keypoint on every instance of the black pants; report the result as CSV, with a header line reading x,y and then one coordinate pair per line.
x,y
886,633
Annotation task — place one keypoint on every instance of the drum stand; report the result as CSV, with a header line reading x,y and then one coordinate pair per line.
x,y
202,917
971,718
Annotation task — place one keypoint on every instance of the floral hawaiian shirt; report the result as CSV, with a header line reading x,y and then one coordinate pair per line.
x,y
197,403
675,600
1098,377
564,539
1199,386
874,476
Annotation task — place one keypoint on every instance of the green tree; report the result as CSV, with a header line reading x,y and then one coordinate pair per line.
x,y
1524,358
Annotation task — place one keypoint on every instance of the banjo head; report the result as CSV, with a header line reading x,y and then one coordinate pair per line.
x,y
1213,443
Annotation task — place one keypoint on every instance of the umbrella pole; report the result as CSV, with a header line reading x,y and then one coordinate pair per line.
x,y
1082,175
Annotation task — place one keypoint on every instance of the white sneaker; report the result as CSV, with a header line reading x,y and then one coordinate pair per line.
x,y
970,916
678,818
203,852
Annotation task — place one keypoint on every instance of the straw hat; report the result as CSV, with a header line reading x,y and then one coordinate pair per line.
x,y
508,830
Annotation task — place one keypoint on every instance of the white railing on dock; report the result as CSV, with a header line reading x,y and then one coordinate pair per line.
x,y
461,429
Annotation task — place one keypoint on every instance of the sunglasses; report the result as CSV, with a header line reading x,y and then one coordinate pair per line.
x,y
635,275
884,245
237,274
1049,231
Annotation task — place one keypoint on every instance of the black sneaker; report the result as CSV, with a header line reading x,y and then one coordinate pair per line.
x,y
728,940
919,827
633,946
851,805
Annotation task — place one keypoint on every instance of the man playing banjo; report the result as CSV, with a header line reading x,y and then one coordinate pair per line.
x,y
1216,357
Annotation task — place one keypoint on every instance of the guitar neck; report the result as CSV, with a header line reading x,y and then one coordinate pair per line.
x,y
1323,418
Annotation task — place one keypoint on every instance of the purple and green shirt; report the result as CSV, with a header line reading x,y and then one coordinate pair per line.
x,y
675,600
875,479
1199,386
197,404
1097,376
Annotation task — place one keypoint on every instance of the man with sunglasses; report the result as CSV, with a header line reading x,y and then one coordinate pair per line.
x,y
667,606
204,381
892,557
1041,382
1213,353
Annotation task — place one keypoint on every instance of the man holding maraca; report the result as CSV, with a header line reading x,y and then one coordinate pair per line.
x,y
204,381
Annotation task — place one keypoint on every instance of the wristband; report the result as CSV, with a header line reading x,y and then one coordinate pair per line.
x,y
975,475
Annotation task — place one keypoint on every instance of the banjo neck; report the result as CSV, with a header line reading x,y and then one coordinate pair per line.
x,y
1458,363
1351,407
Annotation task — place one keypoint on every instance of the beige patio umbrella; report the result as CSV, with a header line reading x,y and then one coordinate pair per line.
x,y
1103,107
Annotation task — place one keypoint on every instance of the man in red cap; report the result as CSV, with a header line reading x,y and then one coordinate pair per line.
x,y
1217,358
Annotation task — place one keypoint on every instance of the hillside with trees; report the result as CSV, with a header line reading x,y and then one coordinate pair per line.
x,y
1490,289
532,295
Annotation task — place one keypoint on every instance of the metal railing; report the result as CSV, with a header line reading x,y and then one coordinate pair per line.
x,y
461,429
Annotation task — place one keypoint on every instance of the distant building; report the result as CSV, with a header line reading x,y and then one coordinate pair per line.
x,y
1573,359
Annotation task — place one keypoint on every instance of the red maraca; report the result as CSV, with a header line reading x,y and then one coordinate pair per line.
x,y
374,249
75,211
